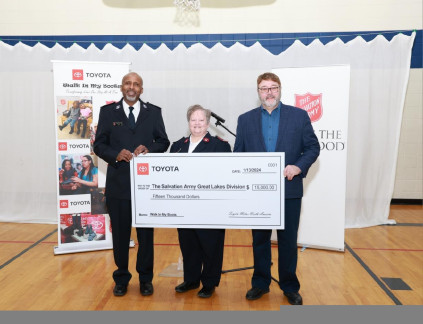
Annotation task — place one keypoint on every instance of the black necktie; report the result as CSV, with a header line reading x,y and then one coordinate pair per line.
x,y
131,118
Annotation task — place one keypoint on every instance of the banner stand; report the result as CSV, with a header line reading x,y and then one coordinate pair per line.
x,y
322,91
80,89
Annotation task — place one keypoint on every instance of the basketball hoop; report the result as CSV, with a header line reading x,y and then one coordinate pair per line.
x,y
193,5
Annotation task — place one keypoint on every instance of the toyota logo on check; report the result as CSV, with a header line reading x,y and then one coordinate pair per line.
x,y
142,168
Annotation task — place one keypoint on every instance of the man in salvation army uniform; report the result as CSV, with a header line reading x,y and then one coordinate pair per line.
x,y
125,129
202,249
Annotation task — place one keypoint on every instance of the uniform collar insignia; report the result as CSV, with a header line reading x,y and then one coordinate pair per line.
x,y
118,106
186,140
206,139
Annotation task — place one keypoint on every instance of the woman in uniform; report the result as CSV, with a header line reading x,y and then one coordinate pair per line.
x,y
202,249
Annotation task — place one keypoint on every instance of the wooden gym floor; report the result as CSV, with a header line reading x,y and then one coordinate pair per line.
x,y
33,278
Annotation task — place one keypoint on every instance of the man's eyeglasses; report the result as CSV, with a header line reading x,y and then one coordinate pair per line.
x,y
266,90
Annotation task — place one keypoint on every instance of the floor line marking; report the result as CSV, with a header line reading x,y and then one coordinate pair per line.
x,y
27,249
381,249
373,275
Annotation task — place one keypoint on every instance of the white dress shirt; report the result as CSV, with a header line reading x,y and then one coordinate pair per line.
x,y
136,111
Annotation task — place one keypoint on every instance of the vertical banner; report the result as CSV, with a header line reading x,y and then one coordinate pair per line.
x,y
324,93
80,89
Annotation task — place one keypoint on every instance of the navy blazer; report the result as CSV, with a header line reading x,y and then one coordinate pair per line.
x,y
296,138
208,144
114,134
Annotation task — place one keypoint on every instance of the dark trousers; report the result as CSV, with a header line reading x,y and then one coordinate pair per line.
x,y
84,126
202,250
121,220
287,251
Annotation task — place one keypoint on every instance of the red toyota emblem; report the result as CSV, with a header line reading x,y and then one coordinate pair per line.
x,y
312,103
77,74
97,225
142,169
64,203
63,146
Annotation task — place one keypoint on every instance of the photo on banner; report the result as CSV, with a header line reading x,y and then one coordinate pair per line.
x,y
76,167
82,227
80,90
79,122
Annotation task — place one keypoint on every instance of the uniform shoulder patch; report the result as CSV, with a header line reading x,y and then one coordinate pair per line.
x,y
151,105
110,103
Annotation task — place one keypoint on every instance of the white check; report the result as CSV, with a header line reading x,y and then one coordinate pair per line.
x,y
211,190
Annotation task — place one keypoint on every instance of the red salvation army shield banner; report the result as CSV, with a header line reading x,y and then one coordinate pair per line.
x,y
310,103
80,89
323,204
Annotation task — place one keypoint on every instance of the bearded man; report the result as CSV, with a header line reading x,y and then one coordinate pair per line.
x,y
275,127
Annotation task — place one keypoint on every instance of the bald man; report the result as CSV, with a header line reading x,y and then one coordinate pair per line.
x,y
125,129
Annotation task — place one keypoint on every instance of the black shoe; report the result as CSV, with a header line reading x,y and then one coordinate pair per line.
x,y
146,288
294,298
206,292
61,127
120,290
69,230
185,286
71,131
255,293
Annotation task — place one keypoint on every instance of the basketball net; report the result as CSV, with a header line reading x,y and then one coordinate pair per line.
x,y
193,5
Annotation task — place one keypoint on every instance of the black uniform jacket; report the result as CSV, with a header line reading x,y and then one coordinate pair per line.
x,y
114,134
208,144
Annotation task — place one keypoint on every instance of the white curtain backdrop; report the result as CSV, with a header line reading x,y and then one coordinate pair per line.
x,y
221,79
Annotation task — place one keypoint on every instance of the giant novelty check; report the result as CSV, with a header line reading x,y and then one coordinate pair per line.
x,y
213,190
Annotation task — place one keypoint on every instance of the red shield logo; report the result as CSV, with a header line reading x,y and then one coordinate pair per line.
x,y
64,203
77,75
142,168
310,103
63,146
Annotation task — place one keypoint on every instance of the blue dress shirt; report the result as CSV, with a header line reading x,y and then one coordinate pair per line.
x,y
270,127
